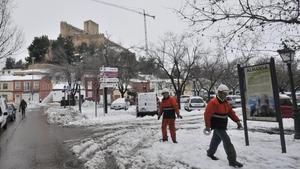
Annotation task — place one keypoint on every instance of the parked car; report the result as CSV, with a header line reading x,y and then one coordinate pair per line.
x,y
234,100
147,104
120,103
194,103
3,113
184,98
286,106
11,110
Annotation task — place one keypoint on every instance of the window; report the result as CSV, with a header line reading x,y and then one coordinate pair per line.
x,y
18,85
89,94
90,84
26,86
5,85
36,84
5,96
285,102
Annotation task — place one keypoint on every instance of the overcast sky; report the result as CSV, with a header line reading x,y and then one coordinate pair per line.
x,y
43,17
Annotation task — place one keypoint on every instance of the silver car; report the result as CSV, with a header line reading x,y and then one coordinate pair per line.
x,y
195,103
120,103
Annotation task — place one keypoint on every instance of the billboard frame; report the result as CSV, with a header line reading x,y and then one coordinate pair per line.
x,y
275,95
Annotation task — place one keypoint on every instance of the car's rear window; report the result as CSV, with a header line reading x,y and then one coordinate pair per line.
x,y
196,101
285,102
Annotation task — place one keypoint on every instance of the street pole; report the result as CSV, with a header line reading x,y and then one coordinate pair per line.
x,y
69,96
194,87
295,109
79,98
105,100
64,100
95,99
33,58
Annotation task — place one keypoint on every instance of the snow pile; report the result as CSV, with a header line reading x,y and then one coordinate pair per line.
x,y
120,140
62,116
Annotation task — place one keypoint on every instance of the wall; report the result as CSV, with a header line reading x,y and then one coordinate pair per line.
x,y
7,92
45,87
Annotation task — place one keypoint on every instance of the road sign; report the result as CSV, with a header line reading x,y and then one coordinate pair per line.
x,y
109,80
108,69
108,85
108,74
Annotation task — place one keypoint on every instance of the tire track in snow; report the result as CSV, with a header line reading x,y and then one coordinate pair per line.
x,y
119,145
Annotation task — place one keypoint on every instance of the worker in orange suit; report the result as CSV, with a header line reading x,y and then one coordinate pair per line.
x,y
216,116
169,109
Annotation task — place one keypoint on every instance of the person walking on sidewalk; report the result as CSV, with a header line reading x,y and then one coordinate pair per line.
x,y
169,109
216,118
22,107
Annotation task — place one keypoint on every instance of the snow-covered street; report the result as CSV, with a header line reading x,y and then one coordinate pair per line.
x,y
120,140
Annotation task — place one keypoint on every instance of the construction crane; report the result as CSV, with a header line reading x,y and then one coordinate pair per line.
x,y
134,11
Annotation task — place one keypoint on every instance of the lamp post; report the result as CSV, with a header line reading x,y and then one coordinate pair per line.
x,y
32,61
194,87
79,93
287,55
64,100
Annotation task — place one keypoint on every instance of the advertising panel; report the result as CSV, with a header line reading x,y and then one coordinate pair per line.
x,y
259,96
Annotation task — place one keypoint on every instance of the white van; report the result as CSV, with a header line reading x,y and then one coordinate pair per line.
x,y
147,104
3,113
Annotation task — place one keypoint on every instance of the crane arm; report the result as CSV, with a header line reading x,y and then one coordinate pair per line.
x,y
124,8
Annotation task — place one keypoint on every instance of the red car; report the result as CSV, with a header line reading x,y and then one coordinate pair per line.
x,y
286,106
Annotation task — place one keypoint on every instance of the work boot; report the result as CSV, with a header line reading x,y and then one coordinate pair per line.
x,y
174,141
213,157
236,164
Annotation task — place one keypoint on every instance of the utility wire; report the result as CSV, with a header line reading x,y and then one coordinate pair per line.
x,y
124,8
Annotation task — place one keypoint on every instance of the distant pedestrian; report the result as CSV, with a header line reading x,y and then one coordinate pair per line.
x,y
216,118
169,109
23,106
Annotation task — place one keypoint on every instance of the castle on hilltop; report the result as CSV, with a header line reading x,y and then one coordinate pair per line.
x,y
89,35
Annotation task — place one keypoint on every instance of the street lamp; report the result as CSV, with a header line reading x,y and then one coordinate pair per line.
x,y
32,84
287,55
194,87
79,93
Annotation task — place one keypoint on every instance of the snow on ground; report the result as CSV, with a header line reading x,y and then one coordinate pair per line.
x,y
121,140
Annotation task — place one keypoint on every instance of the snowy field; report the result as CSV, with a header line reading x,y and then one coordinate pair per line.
x,y
120,140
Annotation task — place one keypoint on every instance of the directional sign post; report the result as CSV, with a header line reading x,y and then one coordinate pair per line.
x,y
108,78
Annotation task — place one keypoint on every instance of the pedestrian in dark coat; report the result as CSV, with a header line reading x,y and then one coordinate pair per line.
x,y
23,106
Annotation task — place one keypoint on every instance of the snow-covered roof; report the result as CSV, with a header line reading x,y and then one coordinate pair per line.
x,y
26,77
59,86
138,80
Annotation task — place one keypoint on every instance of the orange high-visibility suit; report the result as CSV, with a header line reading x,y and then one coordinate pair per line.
x,y
169,109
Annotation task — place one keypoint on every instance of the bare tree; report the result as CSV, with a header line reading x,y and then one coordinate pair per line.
x,y
230,77
127,66
211,70
176,55
11,37
235,18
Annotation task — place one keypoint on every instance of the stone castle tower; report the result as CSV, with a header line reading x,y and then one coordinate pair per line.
x,y
90,34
